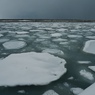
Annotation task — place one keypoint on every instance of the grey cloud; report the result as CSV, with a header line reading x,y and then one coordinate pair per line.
x,y
41,9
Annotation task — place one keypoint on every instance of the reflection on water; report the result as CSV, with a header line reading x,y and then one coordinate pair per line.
x,y
65,40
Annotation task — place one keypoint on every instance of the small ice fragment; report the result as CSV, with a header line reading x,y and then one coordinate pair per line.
x,y
84,62
86,74
76,91
50,92
70,78
21,91
14,44
89,47
92,68
56,35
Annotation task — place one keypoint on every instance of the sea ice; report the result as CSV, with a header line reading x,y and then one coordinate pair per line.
x,y
56,35
62,30
89,91
59,40
90,37
53,51
50,92
21,91
84,62
89,47
74,36
92,68
1,35
14,44
70,78
22,36
22,32
4,40
76,90
86,74
30,69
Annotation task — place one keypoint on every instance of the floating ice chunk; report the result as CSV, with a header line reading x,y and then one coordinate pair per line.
x,y
74,30
74,36
92,30
50,92
84,62
35,30
62,29
86,74
3,31
66,84
92,68
73,41
25,28
59,40
70,78
30,69
89,47
90,37
21,91
14,44
22,32
1,35
89,91
4,40
64,43
53,51
76,91
39,40
56,35
21,36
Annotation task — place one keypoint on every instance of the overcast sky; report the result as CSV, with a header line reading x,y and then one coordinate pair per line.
x,y
47,9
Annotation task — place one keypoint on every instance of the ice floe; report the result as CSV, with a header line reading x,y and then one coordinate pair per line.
x,y
89,47
22,32
56,34
1,35
90,37
30,69
76,90
14,44
74,36
53,51
21,91
50,92
21,36
70,78
4,40
66,84
84,62
92,68
59,40
86,74
62,30
89,91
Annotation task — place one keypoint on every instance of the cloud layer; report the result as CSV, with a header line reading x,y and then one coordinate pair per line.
x,y
47,9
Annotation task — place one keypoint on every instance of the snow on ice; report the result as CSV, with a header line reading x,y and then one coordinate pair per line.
x,y
50,92
14,44
89,47
30,69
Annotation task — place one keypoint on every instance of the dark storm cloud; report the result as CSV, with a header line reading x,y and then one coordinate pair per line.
x,y
53,9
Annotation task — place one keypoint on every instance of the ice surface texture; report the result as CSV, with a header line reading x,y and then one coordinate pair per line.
x,y
30,69
89,47
14,44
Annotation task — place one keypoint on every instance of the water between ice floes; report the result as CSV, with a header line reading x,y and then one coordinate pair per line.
x,y
65,40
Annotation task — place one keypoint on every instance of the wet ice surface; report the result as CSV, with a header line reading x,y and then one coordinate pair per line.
x,y
31,69
64,40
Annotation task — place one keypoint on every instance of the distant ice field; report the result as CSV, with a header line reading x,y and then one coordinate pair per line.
x,y
72,42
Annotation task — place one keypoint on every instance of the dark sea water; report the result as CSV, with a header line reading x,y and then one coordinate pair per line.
x,y
39,37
